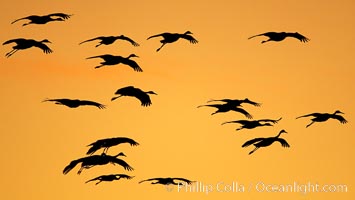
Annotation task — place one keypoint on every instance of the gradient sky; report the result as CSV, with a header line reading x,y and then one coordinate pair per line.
x,y
178,139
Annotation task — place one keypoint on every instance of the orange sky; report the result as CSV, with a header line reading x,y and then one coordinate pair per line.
x,y
178,139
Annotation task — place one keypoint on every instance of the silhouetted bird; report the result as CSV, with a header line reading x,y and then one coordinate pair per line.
x,y
173,37
236,102
142,96
114,60
22,44
106,40
264,142
168,181
110,177
35,19
74,103
250,124
90,161
228,107
322,117
279,36
109,142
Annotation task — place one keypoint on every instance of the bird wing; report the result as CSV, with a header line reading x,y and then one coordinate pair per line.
x,y
120,140
252,141
151,179
44,47
184,180
123,163
252,102
283,142
144,99
122,37
340,118
298,36
132,64
237,121
189,38
91,103
248,115
270,120
89,40
61,15
19,40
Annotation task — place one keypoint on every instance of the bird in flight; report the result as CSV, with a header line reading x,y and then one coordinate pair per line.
x,y
74,103
168,181
109,142
264,142
173,37
221,108
142,96
107,40
22,44
279,36
94,160
110,177
250,124
36,19
236,102
114,60
322,117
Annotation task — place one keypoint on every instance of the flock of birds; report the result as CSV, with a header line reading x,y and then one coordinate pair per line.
x,y
226,105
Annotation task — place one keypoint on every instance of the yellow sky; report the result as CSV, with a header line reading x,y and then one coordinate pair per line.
x,y
178,139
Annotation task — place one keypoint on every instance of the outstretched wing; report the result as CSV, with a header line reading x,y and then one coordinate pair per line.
x,y
151,179
122,37
184,180
44,47
123,163
252,141
298,36
341,119
89,40
283,142
132,64
61,15
144,99
91,103
248,115
251,102
189,38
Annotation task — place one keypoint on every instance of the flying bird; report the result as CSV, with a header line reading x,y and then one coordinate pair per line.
x,y
264,142
111,177
221,108
236,102
322,117
109,142
279,36
90,161
142,96
173,37
114,60
22,44
35,19
250,124
74,103
107,40
168,181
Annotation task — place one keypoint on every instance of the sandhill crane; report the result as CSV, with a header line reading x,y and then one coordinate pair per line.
x,y
142,96
90,161
168,181
107,40
322,117
110,177
74,103
236,102
250,124
22,44
36,19
109,142
264,142
228,107
173,37
279,36
114,60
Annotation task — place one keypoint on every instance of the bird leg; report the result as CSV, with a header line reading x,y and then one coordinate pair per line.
x,y
11,52
309,124
256,148
161,47
238,129
113,98
99,66
98,182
